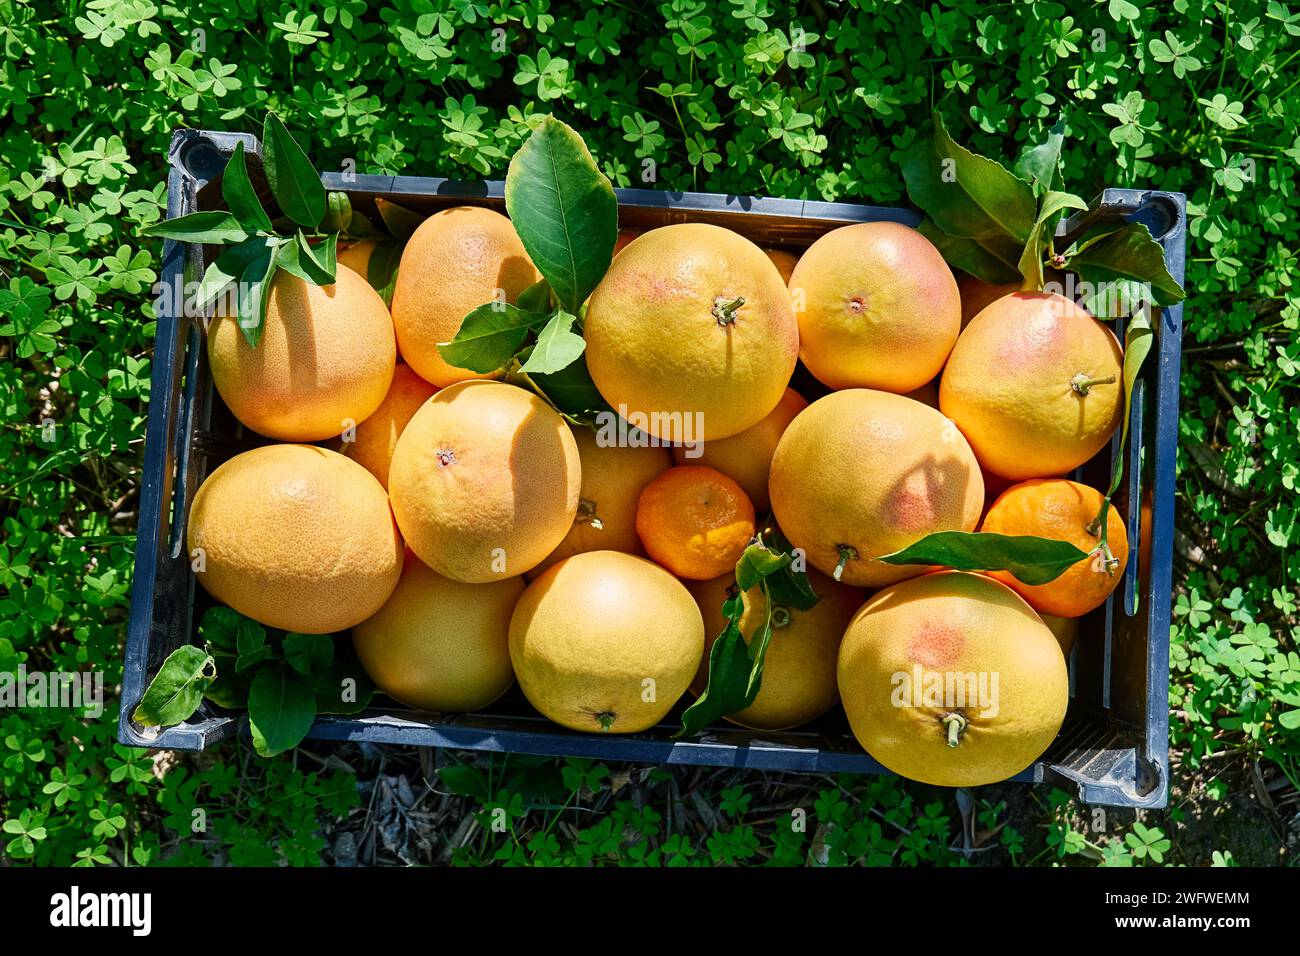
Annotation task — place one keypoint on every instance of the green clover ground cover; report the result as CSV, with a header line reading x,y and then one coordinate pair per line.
x,y
746,96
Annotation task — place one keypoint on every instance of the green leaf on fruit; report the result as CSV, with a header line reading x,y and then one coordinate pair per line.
x,y
1030,559
490,337
237,190
557,347
308,653
564,210
995,264
1039,243
1041,165
216,227
1128,254
400,222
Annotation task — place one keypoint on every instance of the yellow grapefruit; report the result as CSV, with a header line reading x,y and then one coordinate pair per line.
x,y
861,473
951,679
747,458
613,477
484,481
1035,385
457,260
324,361
438,644
691,326
799,669
296,537
605,641
877,306
372,445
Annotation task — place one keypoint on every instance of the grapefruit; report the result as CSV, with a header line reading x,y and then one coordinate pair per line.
x,y
439,644
784,262
952,679
799,669
690,334
861,473
1065,629
694,521
976,295
324,361
356,256
605,641
1064,511
484,481
1035,384
458,259
613,477
877,306
295,537
372,445
747,458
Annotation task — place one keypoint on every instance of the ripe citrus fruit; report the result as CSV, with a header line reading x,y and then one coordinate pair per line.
x,y
690,334
861,473
799,669
877,306
372,445
1034,383
457,260
952,679
613,477
484,481
976,295
1064,629
605,641
694,521
296,537
784,262
439,644
324,361
1065,511
747,458
356,256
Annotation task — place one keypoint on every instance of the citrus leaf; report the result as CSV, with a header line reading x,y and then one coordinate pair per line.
x,y
965,194
230,688
995,264
1138,339
564,210
299,259
228,267
237,191
1041,164
295,184
756,563
281,709
216,227
381,268
251,293
572,392
342,688
1030,559
250,644
338,213
788,585
177,689
557,345
1132,254
536,298
308,653
1040,240
398,220
489,337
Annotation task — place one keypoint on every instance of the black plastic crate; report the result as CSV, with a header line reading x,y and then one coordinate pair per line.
x,y
1113,747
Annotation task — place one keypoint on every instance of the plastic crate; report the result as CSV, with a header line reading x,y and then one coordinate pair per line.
x,y
1113,747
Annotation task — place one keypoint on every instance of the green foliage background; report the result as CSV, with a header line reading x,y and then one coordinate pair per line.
x,y
745,96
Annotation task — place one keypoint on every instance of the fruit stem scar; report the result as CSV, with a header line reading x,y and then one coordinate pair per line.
x,y
1081,382
445,457
725,311
847,553
780,616
955,724
587,514
605,718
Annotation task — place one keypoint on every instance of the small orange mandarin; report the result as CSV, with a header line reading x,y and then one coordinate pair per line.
x,y
695,521
1065,511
